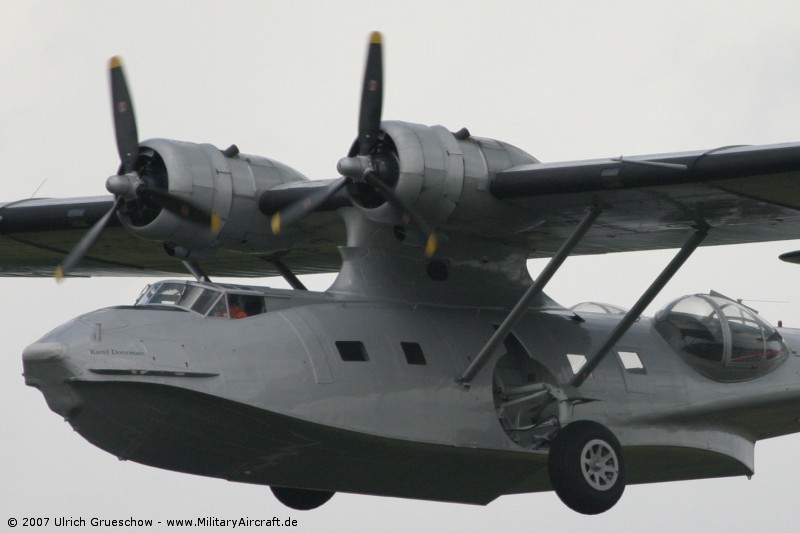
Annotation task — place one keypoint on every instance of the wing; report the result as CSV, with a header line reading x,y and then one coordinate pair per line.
x,y
744,193
36,234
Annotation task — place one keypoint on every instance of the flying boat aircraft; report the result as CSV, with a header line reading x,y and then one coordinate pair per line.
x,y
434,367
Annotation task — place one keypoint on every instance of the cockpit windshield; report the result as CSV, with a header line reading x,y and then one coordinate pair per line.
x,y
721,338
210,301
182,294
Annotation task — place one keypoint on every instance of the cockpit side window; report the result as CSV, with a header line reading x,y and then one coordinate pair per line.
x,y
238,306
162,293
220,308
204,301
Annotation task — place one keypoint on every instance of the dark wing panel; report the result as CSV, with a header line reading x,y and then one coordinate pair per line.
x,y
35,235
599,175
746,194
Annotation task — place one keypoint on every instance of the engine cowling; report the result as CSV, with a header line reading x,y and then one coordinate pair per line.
x,y
441,174
225,184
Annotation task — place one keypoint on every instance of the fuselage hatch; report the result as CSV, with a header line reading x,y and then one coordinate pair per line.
x,y
266,386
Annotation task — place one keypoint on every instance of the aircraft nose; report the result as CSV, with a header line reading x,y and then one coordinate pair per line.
x,y
44,352
46,367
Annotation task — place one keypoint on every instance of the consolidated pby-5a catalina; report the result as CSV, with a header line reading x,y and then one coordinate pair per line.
x,y
434,367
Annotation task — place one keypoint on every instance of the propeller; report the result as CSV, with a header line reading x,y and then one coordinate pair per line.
x,y
369,167
297,210
369,118
124,119
131,184
86,242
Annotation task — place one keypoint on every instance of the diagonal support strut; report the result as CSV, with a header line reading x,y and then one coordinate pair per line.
x,y
287,274
644,300
534,290
196,270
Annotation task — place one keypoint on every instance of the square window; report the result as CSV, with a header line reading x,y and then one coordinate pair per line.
x,y
352,351
576,361
413,353
632,363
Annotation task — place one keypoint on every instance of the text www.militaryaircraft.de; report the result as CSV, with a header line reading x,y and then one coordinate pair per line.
x,y
434,367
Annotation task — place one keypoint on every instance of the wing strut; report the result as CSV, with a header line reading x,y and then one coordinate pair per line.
x,y
196,270
288,275
701,230
533,291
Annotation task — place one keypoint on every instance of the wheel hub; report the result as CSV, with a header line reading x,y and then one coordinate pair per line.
x,y
599,464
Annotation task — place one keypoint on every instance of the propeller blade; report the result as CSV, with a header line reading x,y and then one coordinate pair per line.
x,y
369,120
180,207
86,243
407,213
124,119
297,210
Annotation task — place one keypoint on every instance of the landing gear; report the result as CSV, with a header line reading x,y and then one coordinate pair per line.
x,y
586,467
301,499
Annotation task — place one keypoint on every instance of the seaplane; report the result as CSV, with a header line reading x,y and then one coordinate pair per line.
x,y
434,367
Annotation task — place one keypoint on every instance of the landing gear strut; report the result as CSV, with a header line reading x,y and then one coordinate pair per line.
x,y
301,499
586,467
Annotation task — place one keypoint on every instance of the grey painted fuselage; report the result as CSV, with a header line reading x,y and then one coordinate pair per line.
x,y
270,398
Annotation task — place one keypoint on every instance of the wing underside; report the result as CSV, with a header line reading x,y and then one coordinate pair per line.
x,y
745,194
35,236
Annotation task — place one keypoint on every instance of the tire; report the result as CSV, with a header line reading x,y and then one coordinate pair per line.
x,y
301,499
586,467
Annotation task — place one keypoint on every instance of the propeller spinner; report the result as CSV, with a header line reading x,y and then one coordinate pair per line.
x,y
368,166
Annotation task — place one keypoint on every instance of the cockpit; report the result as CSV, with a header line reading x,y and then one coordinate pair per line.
x,y
204,299
722,339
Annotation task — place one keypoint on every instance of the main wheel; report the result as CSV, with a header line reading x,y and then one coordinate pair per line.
x,y
586,467
301,499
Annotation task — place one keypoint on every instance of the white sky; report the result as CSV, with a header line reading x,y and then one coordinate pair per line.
x,y
562,80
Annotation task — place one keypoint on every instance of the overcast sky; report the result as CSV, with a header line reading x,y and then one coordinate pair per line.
x,y
562,80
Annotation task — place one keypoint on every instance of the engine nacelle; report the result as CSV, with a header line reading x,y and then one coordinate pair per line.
x,y
208,178
442,173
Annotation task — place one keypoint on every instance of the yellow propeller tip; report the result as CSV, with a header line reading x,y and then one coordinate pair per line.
x,y
115,62
216,222
376,38
59,274
275,223
431,245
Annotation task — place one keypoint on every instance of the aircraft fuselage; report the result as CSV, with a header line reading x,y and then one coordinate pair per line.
x,y
323,391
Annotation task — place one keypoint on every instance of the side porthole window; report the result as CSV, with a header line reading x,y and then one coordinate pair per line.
x,y
352,351
632,363
413,353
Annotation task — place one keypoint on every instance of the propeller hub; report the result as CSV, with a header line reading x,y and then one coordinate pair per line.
x,y
122,185
354,167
